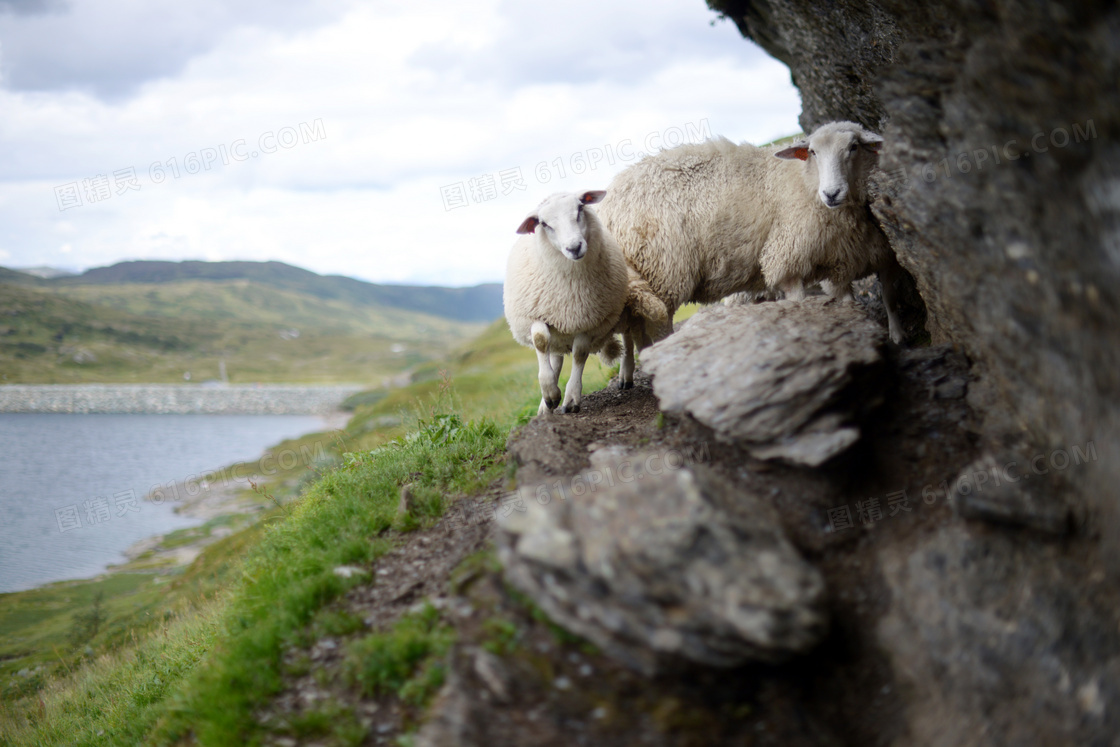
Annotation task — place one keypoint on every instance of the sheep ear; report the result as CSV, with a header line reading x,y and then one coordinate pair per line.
x,y
871,141
528,225
595,195
799,151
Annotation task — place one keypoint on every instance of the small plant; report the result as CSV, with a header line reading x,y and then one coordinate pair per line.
x,y
86,624
406,661
260,490
502,636
441,429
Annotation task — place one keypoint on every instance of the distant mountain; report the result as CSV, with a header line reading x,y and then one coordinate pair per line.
x,y
46,272
131,332
18,277
480,303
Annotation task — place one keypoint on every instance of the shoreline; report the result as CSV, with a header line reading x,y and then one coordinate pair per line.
x,y
217,501
221,499
175,399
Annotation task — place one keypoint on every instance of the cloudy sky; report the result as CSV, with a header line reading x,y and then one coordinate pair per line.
x,y
395,142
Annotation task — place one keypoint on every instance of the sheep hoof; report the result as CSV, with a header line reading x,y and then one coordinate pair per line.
x,y
569,408
626,385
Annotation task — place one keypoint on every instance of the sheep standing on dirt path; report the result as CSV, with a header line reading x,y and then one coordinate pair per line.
x,y
566,288
700,222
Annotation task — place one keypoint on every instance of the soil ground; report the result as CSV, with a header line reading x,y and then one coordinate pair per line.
x,y
515,679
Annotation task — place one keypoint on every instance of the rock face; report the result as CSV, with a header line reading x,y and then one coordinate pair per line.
x,y
658,574
789,379
1000,193
1001,643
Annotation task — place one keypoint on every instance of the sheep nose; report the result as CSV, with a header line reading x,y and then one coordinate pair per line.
x,y
832,197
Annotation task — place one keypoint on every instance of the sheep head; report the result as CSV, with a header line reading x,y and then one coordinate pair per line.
x,y
838,159
560,221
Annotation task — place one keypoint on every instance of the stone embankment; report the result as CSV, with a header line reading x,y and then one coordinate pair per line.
x,y
175,399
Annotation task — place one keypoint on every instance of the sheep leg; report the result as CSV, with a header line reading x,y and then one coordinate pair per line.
x,y
838,291
581,348
889,274
626,370
794,289
557,367
661,330
550,391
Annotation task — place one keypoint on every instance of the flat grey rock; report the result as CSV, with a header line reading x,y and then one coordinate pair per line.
x,y
654,572
788,379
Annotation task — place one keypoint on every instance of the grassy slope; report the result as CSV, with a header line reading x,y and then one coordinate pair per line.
x,y
245,613
480,303
155,333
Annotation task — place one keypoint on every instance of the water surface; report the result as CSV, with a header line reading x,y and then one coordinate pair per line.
x,y
56,469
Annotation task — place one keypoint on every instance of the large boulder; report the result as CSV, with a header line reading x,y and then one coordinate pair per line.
x,y
657,573
790,380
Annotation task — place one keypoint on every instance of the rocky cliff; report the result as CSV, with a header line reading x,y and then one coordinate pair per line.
x,y
793,532
889,547
1000,194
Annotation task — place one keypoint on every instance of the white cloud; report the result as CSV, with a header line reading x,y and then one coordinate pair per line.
x,y
411,98
109,47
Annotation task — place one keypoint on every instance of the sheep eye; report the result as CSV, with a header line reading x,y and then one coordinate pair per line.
x,y
812,152
853,148
544,225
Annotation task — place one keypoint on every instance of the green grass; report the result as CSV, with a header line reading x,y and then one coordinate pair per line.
x,y
244,301
214,635
158,333
686,311
114,699
406,660
39,627
493,377
106,689
289,576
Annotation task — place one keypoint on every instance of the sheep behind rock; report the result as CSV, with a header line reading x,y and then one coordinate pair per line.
x,y
566,287
701,222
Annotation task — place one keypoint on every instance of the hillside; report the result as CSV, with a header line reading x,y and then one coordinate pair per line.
x,y
160,332
482,303
111,683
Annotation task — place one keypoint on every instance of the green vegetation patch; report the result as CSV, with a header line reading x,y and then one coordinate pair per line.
x,y
290,575
407,661
192,658
159,333
109,701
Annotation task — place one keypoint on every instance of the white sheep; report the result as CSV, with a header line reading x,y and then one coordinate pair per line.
x,y
700,222
565,291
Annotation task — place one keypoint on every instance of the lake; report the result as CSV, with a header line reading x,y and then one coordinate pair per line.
x,y
72,487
